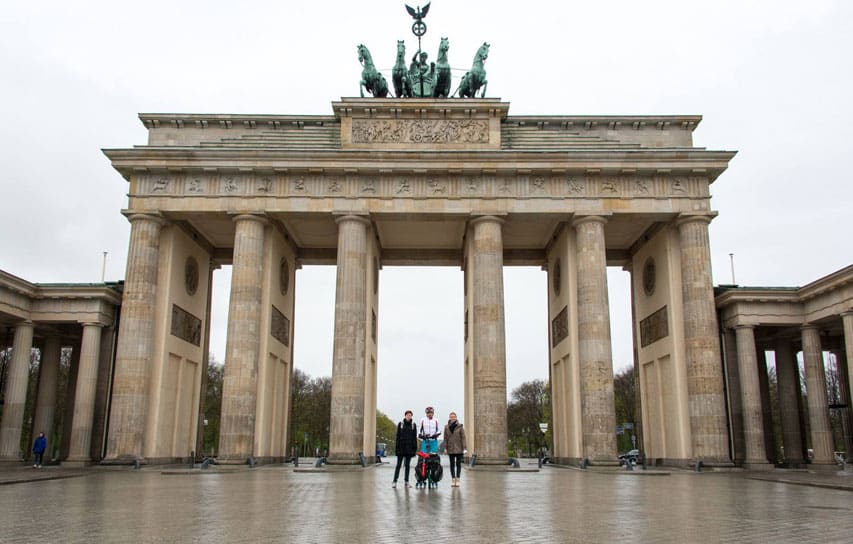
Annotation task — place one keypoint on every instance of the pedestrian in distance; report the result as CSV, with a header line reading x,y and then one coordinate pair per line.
x,y
454,444
405,446
39,446
428,432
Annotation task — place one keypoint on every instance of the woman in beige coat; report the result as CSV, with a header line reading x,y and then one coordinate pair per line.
x,y
454,443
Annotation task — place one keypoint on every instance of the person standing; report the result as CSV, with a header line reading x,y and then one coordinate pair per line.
x,y
454,443
428,432
39,446
405,446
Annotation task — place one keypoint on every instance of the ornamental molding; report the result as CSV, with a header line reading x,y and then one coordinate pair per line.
x,y
419,185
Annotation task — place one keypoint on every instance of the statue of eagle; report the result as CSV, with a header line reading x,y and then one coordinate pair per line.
x,y
419,13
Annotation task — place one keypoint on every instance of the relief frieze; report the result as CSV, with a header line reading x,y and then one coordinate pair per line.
x,y
185,326
654,327
280,327
560,327
420,131
424,185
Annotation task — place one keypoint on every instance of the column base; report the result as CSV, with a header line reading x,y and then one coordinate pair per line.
x,y
491,461
77,463
758,465
823,467
122,460
344,460
6,461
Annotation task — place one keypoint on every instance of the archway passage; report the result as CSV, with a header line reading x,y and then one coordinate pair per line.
x,y
438,182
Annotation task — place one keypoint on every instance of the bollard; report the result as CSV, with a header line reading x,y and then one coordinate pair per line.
x,y
192,459
644,461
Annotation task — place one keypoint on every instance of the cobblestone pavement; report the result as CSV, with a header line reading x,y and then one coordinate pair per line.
x,y
270,504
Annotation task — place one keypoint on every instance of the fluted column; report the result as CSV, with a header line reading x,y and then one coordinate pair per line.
x,y
346,429
847,322
844,389
240,382
736,412
706,399
787,375
753,416
135,341
821,432
15,392
488,335
79,451
46,398
598,410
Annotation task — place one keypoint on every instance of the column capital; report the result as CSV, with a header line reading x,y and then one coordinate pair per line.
x,y
91,324
250,216
690,217
485,218
596,218
154,217
810,327
847,313
343,218
744,326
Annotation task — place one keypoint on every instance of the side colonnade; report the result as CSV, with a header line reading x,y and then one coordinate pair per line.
x,y
793,332
52,325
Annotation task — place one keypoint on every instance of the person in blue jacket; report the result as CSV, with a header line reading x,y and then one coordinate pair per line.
x,y
38,450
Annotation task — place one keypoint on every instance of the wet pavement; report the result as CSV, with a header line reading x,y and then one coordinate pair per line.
x,y
275,503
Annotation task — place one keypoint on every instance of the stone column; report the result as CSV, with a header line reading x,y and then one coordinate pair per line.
x,y
844,390
816,388
134,352
46,398
349,351
594,349
488,334
847,355
15,393
79,451
753,416
240,382
738,450
789,393
706,400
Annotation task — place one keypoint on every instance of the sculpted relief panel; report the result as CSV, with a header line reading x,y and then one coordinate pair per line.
x,y
420,131
422,185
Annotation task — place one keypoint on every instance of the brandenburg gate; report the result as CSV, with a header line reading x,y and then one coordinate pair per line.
x,y
416,181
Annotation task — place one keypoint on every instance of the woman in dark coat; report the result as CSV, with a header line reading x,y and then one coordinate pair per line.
x,y
406,445
454,443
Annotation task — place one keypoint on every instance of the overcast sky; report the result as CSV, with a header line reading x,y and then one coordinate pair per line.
x,y
771,78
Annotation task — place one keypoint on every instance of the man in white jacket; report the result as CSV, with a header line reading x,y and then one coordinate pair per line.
x,y
428,431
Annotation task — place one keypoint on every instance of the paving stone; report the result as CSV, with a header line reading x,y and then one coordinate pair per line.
x,y
275,503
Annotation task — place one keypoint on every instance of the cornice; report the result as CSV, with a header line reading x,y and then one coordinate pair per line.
x,y
657,160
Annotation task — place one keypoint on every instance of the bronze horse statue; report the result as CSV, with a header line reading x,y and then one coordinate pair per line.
x,y
476,78
400,74
442,69
371,79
